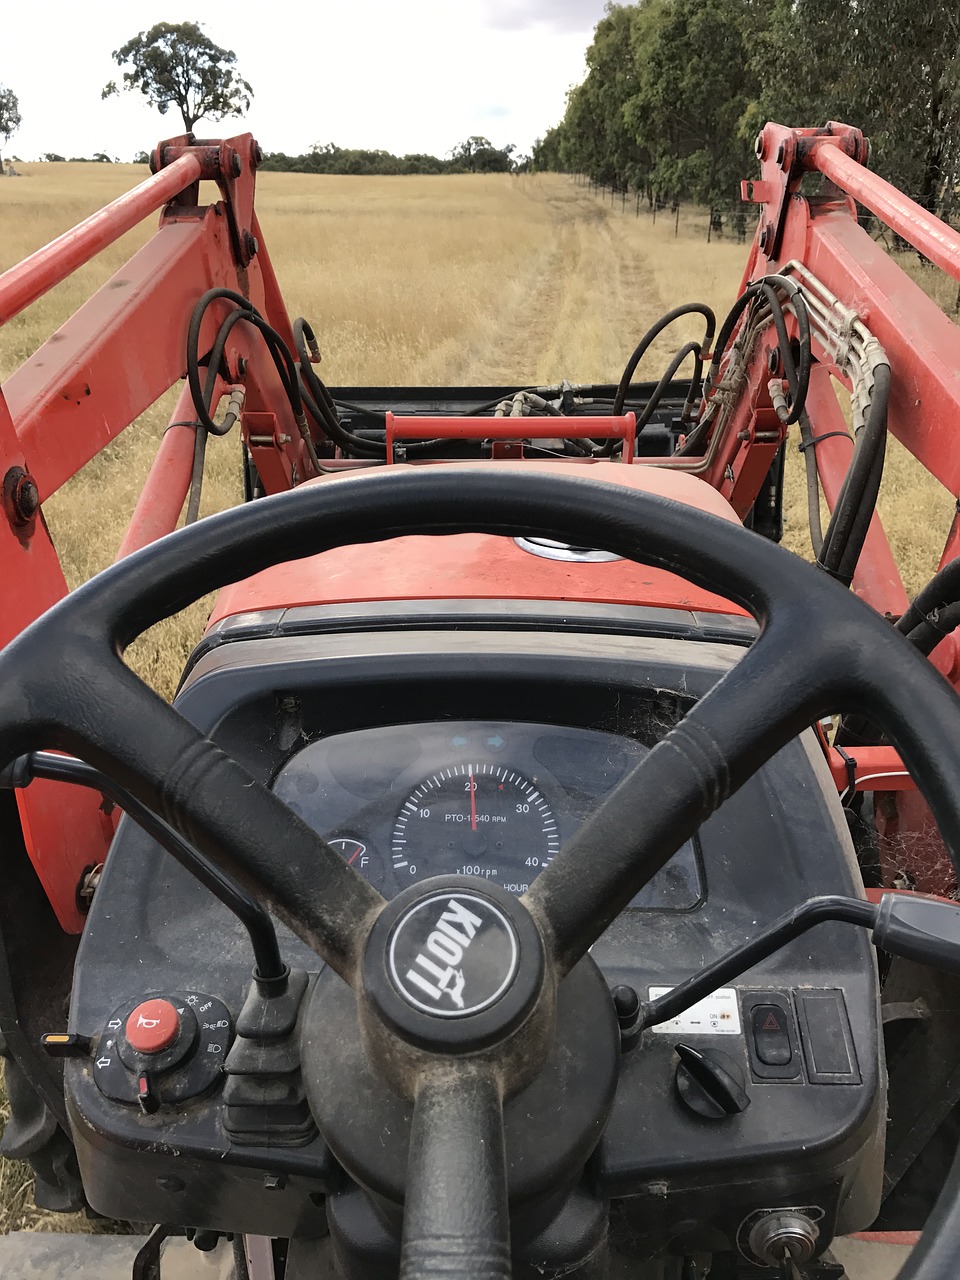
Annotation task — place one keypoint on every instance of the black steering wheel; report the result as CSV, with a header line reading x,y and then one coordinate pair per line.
x,y
63,684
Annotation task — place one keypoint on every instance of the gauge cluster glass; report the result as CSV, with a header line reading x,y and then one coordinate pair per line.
x,y
486,799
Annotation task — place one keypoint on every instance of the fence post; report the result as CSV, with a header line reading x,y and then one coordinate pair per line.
x,y
676,225
637,214
623,199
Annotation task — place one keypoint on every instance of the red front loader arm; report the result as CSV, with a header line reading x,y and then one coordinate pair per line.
x,y
126,346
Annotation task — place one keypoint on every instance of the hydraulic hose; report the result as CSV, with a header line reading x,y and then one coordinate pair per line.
x,y
943,588
653,402
688,308
847,530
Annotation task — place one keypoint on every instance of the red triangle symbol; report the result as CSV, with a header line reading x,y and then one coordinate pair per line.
x,y
771,1022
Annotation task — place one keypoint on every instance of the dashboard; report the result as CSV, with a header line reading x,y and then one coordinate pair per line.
x,y
479,747
491,799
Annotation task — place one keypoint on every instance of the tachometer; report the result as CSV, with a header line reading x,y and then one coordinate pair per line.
x,y
475,819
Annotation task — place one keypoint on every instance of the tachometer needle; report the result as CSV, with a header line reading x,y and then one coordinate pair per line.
x,y
473,801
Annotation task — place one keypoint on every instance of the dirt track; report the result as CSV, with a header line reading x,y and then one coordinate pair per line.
x,y
555,328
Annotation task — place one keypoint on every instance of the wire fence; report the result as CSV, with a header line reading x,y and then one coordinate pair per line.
x,y
731,222
736,223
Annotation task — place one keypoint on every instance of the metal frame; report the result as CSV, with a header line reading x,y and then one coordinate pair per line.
x,y
125,347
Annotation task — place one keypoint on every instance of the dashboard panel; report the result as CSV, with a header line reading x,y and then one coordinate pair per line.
x,y
492,799
354,729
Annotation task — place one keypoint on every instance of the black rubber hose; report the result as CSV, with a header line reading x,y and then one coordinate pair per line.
x,y
337,434
322,406
304,338
843,540
943,588
653,403
213,368
275,345
688,308
861,521
732,318
208,425
193,348
934,627
196,476
657,394
767,287
798,376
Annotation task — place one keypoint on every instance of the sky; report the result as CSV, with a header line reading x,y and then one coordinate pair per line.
x,y
401,75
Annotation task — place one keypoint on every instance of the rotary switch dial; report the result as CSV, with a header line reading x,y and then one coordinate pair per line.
x,y
163,1049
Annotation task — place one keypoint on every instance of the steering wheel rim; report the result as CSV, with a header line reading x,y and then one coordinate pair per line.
x,y
59,677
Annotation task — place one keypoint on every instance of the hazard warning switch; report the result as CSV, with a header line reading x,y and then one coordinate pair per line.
x,y
153,1026
770,1035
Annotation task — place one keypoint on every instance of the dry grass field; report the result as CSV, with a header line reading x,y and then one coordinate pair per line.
x,y
408,280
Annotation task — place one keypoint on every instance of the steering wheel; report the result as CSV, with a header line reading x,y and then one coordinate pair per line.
x,y
63,684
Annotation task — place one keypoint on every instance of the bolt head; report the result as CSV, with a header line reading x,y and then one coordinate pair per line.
x,y
26,498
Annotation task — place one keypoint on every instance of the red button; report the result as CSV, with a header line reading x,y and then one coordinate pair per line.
x,y
153,1025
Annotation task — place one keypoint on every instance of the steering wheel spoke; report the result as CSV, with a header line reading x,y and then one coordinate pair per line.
x,y
685,777
456,1221
123,728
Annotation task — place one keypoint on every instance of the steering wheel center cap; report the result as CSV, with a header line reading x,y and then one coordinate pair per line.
x,y
453,965
453,954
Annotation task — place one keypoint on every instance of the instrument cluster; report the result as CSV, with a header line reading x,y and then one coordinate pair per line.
x,y
489,799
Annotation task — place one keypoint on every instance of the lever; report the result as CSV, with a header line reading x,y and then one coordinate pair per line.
x,y
907,925
270,972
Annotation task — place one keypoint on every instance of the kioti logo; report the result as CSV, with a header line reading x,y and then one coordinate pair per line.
x,y
452,935
453,955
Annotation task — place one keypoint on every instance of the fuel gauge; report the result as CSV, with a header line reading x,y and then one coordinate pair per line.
x,y
354,852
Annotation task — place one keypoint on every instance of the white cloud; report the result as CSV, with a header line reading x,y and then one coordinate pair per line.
x,y
560,15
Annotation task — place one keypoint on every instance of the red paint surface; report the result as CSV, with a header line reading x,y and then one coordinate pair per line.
x,y
888,1237
472,566
868,762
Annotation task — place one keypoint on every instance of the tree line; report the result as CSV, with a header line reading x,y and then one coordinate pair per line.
x,y
476,155
676,91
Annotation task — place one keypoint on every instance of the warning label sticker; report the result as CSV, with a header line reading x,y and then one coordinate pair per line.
x,y
716,1015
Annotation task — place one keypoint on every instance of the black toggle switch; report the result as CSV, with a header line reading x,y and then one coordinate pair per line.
x,y
65,1044
709,1083
771,1037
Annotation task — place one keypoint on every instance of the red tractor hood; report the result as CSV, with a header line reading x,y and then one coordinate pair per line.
x,y
484,567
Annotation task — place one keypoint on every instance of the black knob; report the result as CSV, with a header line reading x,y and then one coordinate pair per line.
x,y
709,1083
629,1012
